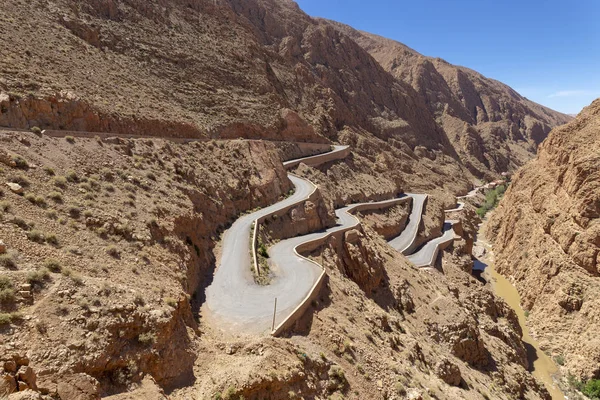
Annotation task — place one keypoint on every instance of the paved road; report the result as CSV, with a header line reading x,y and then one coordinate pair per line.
x,y
233,296
427,254
236,301
459,207
337,153
405,242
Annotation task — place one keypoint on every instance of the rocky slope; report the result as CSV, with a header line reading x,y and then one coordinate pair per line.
x,y
491,126
257,69
547,239
111,241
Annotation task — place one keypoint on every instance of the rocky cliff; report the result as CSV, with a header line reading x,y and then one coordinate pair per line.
x,y
490,125
547,238
255,69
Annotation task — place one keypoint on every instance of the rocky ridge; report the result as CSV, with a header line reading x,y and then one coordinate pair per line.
x,y
546,234
491,126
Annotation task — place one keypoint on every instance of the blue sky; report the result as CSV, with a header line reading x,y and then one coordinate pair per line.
x,y
549,51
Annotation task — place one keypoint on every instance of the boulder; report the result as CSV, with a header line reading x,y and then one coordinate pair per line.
x,y
26,374
449,372
15,187
10,366
8,385
25,395
78,387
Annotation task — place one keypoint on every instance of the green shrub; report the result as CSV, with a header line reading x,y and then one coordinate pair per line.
x,y
52,239
53,265
36,130
262,250
5,206
113,251
56,196
50,171
72,176
36,236
560,359
171,302
38,278
7,291
20,179
20,162
592,389
74,212
146,338
21,223
7,318
7,261
70,139
60,181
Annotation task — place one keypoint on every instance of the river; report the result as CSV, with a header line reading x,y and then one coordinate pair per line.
x,y
541,366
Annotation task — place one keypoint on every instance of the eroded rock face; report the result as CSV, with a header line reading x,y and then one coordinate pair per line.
x,y
478,115
460,332
546,233
448,372
78,387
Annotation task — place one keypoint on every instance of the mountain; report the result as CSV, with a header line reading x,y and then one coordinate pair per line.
x,y
111,241
489,124
546,232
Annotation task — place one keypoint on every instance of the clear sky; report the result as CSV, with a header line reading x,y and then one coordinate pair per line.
x,y
548,51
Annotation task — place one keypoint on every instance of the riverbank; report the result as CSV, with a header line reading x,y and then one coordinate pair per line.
x,y
542,367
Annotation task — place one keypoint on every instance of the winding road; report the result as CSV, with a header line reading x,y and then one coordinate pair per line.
x,y
236,301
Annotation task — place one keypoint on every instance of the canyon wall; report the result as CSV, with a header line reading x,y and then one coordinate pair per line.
x,y
546,234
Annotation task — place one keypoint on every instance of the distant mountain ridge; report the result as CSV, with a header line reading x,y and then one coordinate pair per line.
x,y
481,116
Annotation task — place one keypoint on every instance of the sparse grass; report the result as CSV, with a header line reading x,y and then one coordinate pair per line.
x,y
20,162
72,176
50,171
7,291
36,236
20,179
171,302
60,181
8,261
52,214
53,265
5,206
147,338
7,318
70,139
56,196
36,130
38,278
113,251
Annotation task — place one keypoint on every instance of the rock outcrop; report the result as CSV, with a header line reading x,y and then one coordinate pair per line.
x,y
546,234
